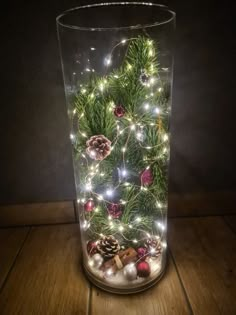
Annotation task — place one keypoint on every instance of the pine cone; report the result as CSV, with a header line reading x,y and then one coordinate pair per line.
x,y
108,246
98,147
154,247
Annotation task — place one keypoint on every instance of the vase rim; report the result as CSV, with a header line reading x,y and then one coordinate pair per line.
x,y
162,8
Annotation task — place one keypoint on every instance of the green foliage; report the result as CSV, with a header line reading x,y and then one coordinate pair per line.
x,y
94,107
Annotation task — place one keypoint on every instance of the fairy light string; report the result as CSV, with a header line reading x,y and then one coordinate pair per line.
x,y
126,128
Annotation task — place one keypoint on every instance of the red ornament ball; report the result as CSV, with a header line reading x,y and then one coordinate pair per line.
x,y
119,111
92,248
142,253
114,210
146,177
89,205
143,269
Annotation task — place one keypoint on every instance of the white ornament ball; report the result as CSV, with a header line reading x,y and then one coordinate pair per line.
x,y
97,260
130,272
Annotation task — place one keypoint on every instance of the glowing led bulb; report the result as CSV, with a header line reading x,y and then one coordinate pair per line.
x,y
72,137
164,244
92,48
138,219
101,87
123,41
165,137
157,110
146,106
123,149
152,250
159,205
100,197
124,172
87,69
109,192
83,91
92,153
144,188
139,135
109,272
160,89
132,127
121,228
107,61
129,67
152,80
74,111
135,241
88,186
161,226
85,224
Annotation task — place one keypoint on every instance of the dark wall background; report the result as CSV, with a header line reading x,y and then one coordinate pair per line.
x,y
34,142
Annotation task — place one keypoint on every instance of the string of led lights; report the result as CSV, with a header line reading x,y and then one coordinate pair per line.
x,y
136,126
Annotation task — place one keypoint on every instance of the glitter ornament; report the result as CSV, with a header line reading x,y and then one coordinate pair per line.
x,y
98,147
142,253
119,111
143,269
114,210
97,260
130,272
89,206
146,177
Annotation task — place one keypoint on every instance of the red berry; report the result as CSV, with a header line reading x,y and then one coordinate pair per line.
x,y
89,206
146,177
119,111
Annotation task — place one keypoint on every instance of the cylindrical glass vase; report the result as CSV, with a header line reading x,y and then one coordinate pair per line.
x,y
117,68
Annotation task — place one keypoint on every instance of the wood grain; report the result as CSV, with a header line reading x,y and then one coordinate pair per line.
x,y
202,204
47,277
231,221
11,241
166,298
204,250
37,213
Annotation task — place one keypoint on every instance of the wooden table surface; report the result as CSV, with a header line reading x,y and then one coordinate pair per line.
x,y
40,272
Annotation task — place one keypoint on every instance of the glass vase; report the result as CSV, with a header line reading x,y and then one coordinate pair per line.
x,y
117,69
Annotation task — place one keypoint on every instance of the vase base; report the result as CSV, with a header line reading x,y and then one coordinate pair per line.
x,y
123,291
